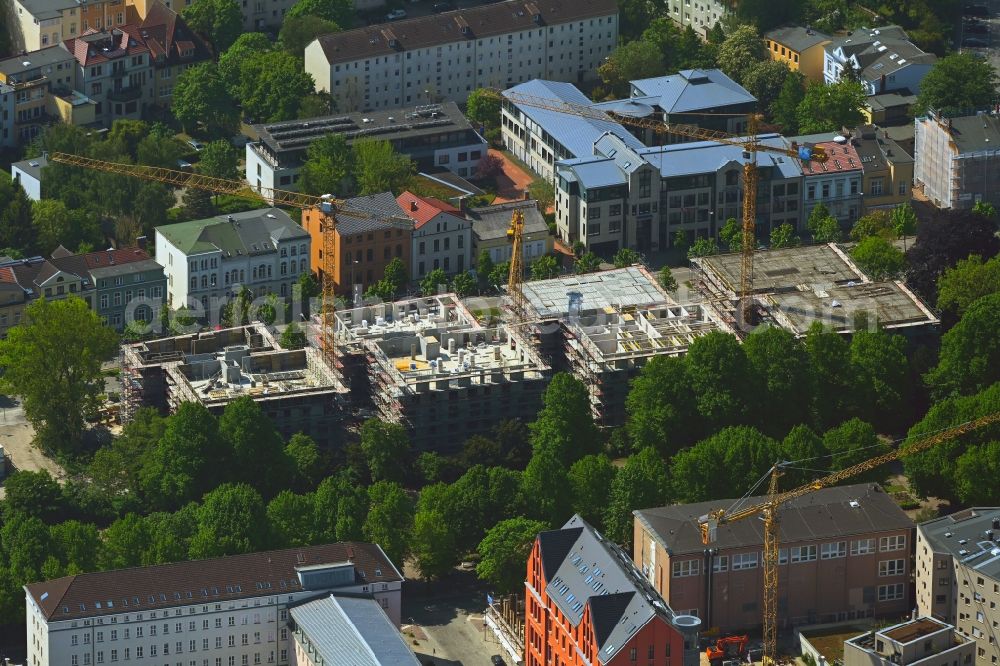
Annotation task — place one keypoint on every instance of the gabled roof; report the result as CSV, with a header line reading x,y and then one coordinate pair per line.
x,y
424,209
693,90
384,213
247,233
796,37
167,35
696,157
880,51
97,46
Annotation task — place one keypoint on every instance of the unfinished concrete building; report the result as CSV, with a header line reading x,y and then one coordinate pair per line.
x,y
435,370
799,286
295,388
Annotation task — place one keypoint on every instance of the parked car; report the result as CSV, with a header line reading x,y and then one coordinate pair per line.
x,y
976,10
396,14
197,145
976,29
498,660
975,43
183,165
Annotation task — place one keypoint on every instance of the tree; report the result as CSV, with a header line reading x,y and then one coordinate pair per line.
x,y
433,282
784,110
513,438
290,518
742,50
483,106
666,279
827,108
197,204
246,47
783,236
124,542
565,425
328,165
57,225
768,14
543,192
703,247
219,20
34,494
766,80
433,543
77,545
590,480
298,31
661,408
731,234
969,280
626,257
780,367
544,268
588,263
970,352
984,209
293,337
876,223
801,443
229,522
631,61
220,160
852,442
733,458
396,275
642,482
200,97
340,12
271,85
463,284
942,241
833,380
904,222
185,463
824,227
390,519
882,369
340,504
719,375
306,459
489,167
543,485
16,229
504,550
500,274
53,361
257,447
379,168
878,258
958,81
386,448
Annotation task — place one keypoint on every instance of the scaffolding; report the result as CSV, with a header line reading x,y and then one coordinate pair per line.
x,y
131,385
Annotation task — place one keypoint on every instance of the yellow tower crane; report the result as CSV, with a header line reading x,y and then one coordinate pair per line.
x,y
327,206
750,144
515,233
767,509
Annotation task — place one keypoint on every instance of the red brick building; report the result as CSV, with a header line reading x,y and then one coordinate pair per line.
x,y
845,553
587,604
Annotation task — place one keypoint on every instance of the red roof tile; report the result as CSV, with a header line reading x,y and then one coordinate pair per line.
x,y
104,258
424,209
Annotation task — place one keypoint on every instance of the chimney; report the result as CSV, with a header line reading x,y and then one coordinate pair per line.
x,y
413,205
140,242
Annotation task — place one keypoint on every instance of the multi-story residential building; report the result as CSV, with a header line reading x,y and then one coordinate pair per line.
x,y
364,243
586,603
13,297
331,629
957,159
699,16
442,237
884,59
845,553
923,641
37,78
621,197
114,69
28,173
8,132
490,225
887,168
207,261
958,576
446,56
433,136
227,609
889,110
37,24
802,49
836,182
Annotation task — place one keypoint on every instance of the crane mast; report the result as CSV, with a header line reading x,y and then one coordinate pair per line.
x,y
515,234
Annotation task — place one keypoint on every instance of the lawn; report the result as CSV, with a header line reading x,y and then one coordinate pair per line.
x,y
830,642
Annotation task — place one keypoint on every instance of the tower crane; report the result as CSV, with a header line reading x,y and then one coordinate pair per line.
x,y
767,509
750,144
515,234
327,207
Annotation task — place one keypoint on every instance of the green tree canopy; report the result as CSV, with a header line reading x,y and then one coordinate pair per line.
x,y
340,12
588,263
781,368
229,522
340,504
852,442
802,444
719,375
247,46
742,51
433,543
565,425
969,280
666,279
328,166
219,20
544,486
703,247
379,168
878,258
123,543
34,494
942,241
784,110
957,82
783,236
833,376
483,106
434,281
544,268
876,223
661,407
257,447
200,98
306,459
220,160
293,337
882,369
16,229
271,85
590,480
57,225
504,550
765,80
823,227
463,284
731,460
827,108
290,518
626,257
970,352
631,61
298,31
390,519
386,448
642,482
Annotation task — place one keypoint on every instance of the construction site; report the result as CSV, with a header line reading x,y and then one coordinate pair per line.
x,y
796,287
295,388
434,369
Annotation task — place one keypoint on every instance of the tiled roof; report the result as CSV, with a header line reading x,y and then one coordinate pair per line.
x,y
458,26
840,157
167,35
216,579
122,41
424,209
384,213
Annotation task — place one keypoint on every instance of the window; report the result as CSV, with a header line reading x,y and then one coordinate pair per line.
x,y
863,547
593,213
744,561
593,230
829,551
876,186
897,542
686,568
720,564
803,554
890,592
891,568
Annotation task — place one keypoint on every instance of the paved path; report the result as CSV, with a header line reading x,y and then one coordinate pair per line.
x,y
513,182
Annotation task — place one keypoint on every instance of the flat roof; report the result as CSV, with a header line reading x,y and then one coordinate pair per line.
x,y
908,632
785,269
632,286
32,167
964,535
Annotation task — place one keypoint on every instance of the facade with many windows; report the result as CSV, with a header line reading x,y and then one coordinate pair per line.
x,y
845,553
442,237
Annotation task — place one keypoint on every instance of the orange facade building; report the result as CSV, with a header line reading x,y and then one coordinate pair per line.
x,y
587,604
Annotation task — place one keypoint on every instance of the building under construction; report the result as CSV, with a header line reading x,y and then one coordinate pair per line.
x,y
433,368
798,286
295,388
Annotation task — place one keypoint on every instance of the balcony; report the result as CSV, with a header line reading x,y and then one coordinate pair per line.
x,y
125,94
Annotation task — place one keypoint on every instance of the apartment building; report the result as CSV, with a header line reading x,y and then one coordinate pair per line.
x,y
699,15
490,225
802,49
957,158
923,641
836,183
37,79
433,136
13,298
446,56
364,243
887,169
8,132
207,261
884,58
845,553
37,24
442,237
113,68
224,610
586,603
958,576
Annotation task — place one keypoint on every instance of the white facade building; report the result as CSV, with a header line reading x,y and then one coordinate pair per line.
x,y
206,261
226,611
442,237
884,58
700,15
446,56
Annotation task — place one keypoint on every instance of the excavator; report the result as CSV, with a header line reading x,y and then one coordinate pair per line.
x,y
727,649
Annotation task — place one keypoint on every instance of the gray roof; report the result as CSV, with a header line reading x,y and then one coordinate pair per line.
x,y
889,100
32,167
352,631
693,90
575,133
620,287
881,51
945,534
385,214
46,9
126,269
583,568
876,149
595,173
492,222
973,134
796,37
823,514
40,58
696,157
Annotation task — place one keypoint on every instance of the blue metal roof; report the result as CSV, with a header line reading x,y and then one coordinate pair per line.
x,y
684,159
603,173
692,90
576,134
